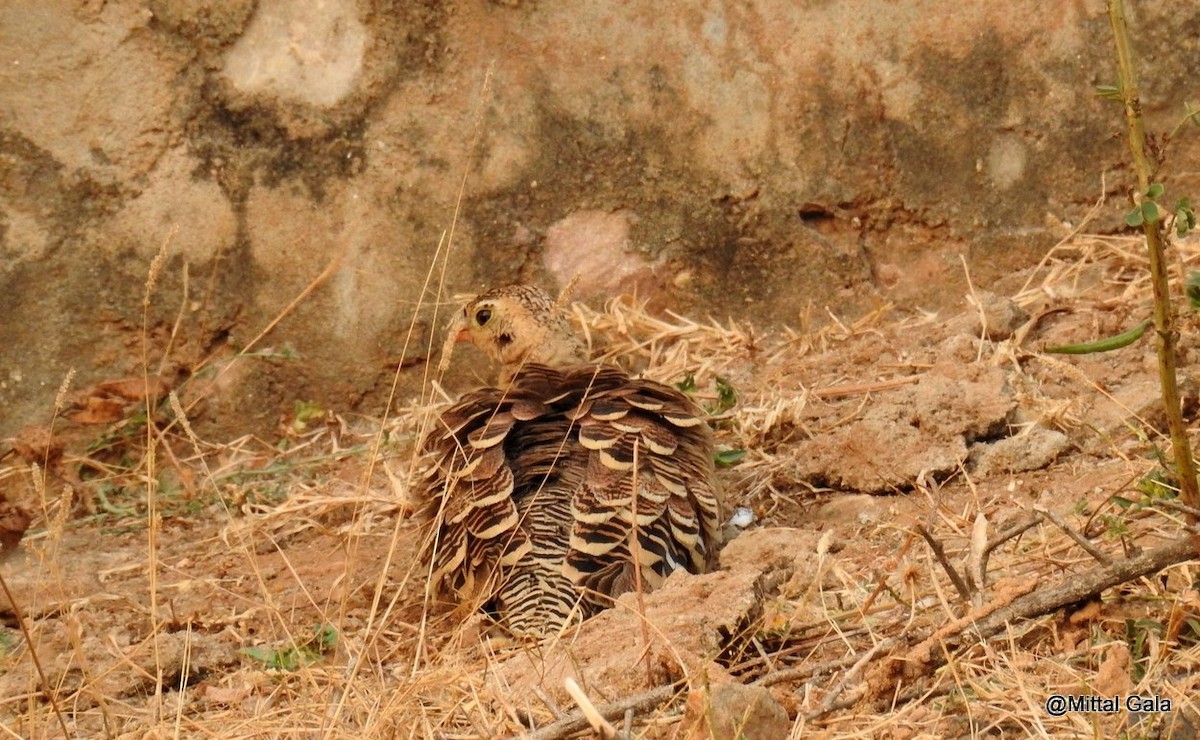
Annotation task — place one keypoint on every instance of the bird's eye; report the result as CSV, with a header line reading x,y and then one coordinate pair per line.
x,y
482,316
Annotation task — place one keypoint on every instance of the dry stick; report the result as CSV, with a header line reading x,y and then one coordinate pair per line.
x,y
575,721
881,586
1090,584
600,724
37,663
993,617
1172,504
887,704
545,699
839,391
817,669
1028,521
1185,466
940,554
850,675
1082,541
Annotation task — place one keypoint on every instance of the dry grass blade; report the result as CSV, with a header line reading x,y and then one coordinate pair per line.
x,y
578,720
261,543
37,663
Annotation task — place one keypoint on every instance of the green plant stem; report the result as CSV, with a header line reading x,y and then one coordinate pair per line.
x,y
1185,466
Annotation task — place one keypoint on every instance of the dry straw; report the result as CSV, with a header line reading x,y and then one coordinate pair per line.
x,y
877,636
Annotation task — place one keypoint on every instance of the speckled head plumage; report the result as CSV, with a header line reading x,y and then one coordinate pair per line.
x,y
519,324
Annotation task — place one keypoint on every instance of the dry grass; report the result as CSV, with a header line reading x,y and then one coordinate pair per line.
x,y
142,613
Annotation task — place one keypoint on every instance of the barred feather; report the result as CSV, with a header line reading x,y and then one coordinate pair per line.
x,y
536,491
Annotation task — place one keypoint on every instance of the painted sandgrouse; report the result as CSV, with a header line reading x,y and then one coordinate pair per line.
x,y
533,486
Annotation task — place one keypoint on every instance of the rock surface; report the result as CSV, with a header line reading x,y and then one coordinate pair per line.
x,y
745,160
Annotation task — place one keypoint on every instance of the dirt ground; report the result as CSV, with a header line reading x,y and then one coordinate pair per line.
x,y
173,585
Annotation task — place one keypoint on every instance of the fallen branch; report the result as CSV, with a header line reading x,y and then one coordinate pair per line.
x,y
576,721
1019,604
1089,585
600,725
940,554
813,670
1080,540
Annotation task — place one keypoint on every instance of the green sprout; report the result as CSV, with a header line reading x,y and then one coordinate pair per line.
x,y
295,656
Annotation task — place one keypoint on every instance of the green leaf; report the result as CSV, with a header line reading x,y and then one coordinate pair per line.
x,y
726,395
1185,217
1109,92
1107,344
1149,211
326,638
306,411
1193,290
323,641
688,384
728,458
288,659
1155,190
1134,218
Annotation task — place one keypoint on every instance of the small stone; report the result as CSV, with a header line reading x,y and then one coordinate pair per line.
x,y
1002,316
738,711
1030,451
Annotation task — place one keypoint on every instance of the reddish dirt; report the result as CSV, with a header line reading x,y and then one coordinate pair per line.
x,y
854,437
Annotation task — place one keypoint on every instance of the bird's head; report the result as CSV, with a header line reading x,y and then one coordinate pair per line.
x,y
518,324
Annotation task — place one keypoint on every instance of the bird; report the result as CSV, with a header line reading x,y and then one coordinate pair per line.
x,y
533,484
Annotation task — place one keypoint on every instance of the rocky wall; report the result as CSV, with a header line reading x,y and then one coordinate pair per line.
x,y
748,159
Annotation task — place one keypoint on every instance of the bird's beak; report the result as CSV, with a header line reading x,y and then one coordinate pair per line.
x,y
462,335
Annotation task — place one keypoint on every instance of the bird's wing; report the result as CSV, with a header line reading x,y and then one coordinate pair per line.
x,y
532,489
648,443
498,499
468,495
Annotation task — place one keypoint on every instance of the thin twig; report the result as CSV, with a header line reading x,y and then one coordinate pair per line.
x,y
840,391
1082,541
1178,506
817,669
599,723
1025,522
850,675
1090,584
575,721
940,554
550,704
37,663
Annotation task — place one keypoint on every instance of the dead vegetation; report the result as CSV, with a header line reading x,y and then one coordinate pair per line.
x,y
1021,540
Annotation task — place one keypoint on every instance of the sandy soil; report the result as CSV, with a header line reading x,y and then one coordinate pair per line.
x,y
198,611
